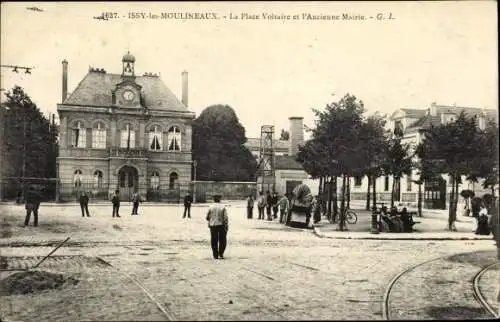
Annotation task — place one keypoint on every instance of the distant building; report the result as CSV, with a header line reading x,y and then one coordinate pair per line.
x,y
413,123
126,132
288,172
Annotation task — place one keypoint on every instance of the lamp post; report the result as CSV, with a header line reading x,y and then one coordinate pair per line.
x,y
194,181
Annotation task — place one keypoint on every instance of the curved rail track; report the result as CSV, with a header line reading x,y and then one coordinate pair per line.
x,y
477,291
386,307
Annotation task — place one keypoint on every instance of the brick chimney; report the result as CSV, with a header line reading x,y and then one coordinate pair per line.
x,y
185,88
296,134
433,109
64,80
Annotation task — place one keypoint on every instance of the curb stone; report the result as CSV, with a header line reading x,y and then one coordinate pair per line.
x,y
369,236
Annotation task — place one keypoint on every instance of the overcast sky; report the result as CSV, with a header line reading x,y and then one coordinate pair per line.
x,y
267,70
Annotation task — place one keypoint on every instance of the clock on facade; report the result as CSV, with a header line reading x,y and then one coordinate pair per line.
x,y
128,95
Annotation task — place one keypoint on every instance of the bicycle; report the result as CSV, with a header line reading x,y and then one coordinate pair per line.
x,y
350,216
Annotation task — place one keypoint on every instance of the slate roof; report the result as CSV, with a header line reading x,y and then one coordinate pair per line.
x,y
96,87
286,162
427,120
413,113
254,144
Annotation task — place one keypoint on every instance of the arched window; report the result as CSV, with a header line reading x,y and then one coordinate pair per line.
x,y
155,180
173,180
155,139
99,136
174,139
97,179
127,137
78,135
77,179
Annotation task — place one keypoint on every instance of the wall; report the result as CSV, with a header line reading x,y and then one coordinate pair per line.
x,y
203,191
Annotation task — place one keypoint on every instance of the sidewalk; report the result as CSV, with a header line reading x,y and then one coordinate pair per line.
x,y
431,226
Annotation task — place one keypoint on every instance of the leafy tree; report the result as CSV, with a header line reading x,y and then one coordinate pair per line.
x,y
29,145
488,168
285,135
375,144
337,132
218,146
453,148
398,162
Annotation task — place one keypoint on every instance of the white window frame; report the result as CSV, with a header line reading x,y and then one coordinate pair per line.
x,y
78,135
124,137
98,177
174,133
158,134
99,136
155,180
77,178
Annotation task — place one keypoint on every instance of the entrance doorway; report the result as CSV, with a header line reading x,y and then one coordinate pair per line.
x,y
128,182
435,193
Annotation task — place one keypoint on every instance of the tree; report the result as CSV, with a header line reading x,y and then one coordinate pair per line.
x,y
398,162
285,135
30,141
337,132
29,145
375,144
218,146
453,148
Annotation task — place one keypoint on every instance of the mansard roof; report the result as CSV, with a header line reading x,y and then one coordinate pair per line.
x,y
95,89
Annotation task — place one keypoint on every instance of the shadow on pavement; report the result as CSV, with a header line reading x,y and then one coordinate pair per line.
x,y
455,312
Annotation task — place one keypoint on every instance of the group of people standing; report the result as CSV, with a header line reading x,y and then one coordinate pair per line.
x,y
270,205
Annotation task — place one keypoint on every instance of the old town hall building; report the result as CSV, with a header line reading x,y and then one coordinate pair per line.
x,y
124,132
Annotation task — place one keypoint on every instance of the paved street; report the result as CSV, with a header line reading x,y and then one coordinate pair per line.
x,y
163,269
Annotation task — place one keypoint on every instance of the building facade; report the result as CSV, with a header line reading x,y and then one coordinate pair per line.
x,y
413,123
124,132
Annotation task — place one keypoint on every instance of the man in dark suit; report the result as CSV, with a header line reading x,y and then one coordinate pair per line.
x,y
84,203
188,200
32,205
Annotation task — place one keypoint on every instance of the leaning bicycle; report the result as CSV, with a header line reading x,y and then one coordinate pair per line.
x,y
350,216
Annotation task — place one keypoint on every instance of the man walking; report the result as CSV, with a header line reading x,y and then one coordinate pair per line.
x,y
274,204
136,199
261,204
115,200
269,202
284,205
32,205
218,223
250,203
84,203
188,200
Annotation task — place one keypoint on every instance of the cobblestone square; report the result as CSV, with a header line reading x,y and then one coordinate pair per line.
x,y
162,269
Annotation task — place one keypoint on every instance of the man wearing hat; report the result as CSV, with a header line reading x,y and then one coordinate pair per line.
x,y
218,223
32,205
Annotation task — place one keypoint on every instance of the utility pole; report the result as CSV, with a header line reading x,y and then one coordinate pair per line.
x,y
16,68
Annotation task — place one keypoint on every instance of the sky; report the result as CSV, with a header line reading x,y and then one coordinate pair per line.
x,y
267,70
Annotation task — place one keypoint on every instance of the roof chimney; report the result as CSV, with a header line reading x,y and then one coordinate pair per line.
x,y
185,88
296,134
433,109
64,80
